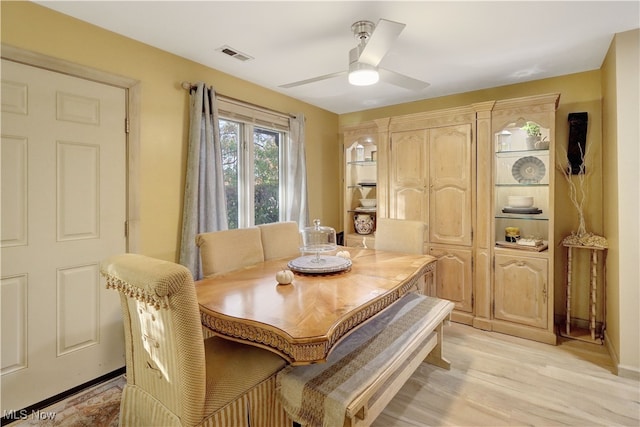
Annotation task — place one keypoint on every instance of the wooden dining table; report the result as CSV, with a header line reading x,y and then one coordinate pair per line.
x,y
304,320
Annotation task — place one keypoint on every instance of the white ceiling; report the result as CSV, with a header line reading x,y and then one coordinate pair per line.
x,y
455,46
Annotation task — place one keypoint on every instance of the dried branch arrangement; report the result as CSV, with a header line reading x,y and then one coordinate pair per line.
x,y
578,195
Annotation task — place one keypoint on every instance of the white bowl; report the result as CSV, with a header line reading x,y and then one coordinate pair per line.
x,y
520,201
368,203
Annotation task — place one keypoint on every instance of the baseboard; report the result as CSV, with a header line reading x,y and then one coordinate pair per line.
x,y
620,370
628,372
8,419
612,351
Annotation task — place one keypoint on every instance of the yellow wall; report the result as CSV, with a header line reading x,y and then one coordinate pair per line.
x,y
578,93
622,199
610,184
164,114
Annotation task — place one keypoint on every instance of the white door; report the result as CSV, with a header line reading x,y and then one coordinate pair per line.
x,y
63,185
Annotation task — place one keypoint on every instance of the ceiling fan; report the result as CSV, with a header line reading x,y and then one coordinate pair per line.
x,y
374,41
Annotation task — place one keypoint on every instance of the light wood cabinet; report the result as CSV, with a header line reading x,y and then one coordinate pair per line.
x,y
431,180
454,279
450,189
409,164
521,290
523,167
455,169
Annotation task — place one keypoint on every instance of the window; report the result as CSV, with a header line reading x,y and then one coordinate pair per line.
x,y
252,155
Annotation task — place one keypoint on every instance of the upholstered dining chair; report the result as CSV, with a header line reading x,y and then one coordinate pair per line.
x,y
280,239
228,250
174,377
400,235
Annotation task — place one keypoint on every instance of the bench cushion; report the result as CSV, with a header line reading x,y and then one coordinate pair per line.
x,y
319,394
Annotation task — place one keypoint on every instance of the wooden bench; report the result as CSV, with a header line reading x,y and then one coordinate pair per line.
x,y
368,367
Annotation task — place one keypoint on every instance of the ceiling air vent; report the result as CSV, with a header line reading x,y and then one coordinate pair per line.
x,y
234,53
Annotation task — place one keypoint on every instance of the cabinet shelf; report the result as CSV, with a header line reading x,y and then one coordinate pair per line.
x,y
524,251
362,163
361,186
521,185
356,210
529,217
509,153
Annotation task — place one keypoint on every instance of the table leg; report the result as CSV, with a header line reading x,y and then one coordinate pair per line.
x,y
569,267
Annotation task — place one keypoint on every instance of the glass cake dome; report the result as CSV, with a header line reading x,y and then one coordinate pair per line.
x,y
318,239
318,243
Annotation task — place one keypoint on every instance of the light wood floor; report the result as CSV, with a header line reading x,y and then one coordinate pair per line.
x,y
499,380
495,380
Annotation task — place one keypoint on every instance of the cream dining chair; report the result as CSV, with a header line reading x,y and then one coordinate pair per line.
x,y
400,235
228,250
174,377
280,239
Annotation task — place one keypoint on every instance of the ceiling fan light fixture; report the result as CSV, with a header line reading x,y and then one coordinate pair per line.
x,y
361,74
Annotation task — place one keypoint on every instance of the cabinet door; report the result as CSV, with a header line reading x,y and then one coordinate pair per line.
x,y
454,276
409,175
450,185
521,290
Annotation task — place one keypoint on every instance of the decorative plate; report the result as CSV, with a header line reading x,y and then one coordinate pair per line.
x,y
323,264
528,170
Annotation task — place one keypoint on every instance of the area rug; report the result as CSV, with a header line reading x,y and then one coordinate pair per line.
x,y
95,407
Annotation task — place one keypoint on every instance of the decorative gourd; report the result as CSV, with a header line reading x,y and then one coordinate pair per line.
x,y
344,254
284,277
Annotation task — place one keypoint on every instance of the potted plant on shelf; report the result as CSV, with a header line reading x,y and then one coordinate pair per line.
x,y
533,134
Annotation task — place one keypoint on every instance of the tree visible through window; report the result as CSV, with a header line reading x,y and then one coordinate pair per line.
x,y
266,149
251,173
229,140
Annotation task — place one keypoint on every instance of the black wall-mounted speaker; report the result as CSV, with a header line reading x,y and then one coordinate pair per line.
x,y
577,142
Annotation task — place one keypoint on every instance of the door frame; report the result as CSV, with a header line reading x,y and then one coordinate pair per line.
x,y
132,90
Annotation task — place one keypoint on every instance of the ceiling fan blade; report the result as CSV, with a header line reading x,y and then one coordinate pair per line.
x,y
385,33
401,80
313,80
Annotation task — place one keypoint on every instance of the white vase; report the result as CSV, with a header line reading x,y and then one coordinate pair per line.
x,y
363,223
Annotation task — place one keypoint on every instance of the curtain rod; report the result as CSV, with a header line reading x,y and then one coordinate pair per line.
x,y
188,86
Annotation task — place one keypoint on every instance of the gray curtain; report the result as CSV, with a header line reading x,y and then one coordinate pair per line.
x,y
296,207
204,199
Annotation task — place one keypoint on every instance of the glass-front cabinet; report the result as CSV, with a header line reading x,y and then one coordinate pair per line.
x,y
360,186
523,215
521,193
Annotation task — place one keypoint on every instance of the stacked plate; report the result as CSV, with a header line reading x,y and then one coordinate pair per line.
x,y
531,210
521,205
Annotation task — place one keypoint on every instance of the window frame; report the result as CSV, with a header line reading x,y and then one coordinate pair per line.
x,y
249,118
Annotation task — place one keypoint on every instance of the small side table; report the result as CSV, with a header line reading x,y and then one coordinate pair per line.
x,y
593,335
